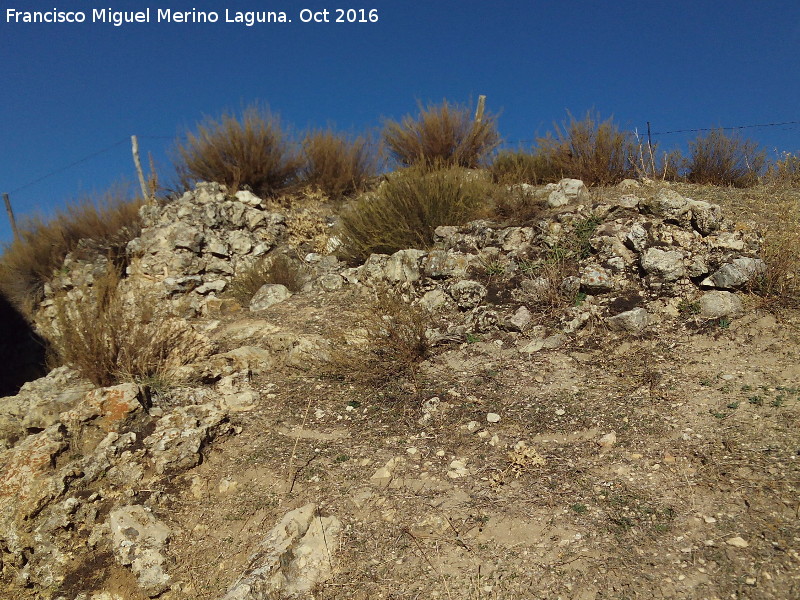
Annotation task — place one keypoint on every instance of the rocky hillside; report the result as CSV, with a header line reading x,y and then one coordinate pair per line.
x,y
593,408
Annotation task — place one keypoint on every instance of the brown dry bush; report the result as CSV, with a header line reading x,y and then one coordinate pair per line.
x,y
592,150
720,159
406,209
253,150
106,224
442,135
338,166
785,171
110,340
280,269
518,166
387,344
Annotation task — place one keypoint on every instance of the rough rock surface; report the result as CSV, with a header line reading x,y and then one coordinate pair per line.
x,y
138,488
294,556
138,539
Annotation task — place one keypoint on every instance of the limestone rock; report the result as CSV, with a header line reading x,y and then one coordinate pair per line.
x,y
138,540
596,280
467,293
292,559
735,274
440,264
403,266
567,191
717,304
632,321
267,295
668,204
175,444
664,264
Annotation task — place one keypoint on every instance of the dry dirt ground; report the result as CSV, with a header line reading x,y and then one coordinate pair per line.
x,y
697,497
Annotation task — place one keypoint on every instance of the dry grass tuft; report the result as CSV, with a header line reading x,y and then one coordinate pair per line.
x,y
592,150
512,167
720,159
781,249
407,208
279,268
109,339
253,151
387,344
517,206
443,135
106,225
337,166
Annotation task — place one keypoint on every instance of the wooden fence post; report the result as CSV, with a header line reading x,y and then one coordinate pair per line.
x,y
138,163
479,111
11,216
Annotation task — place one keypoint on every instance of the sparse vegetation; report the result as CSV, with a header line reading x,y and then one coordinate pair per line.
x,y
510,167
596,151
785,170
110,339
105,224
516,205
721,159
253,150
406,209
280,269
338,166
387,345
442,135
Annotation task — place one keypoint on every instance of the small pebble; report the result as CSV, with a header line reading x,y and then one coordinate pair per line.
x,y
737,542
493,417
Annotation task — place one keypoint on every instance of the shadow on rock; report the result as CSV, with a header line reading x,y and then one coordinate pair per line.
x,y
22,351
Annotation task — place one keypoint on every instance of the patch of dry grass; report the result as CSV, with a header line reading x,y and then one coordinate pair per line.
x,y
105,224
337,166
280,268
406,209
442,135
387,344
253,150
109,338
512,167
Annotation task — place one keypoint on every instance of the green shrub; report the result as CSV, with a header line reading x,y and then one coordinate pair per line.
x,y
252,151
592,150
109,340
107,224
510,167
720,159
443,135
337,166
407,208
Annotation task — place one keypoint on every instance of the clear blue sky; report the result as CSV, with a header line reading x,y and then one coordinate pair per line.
x,y
70,90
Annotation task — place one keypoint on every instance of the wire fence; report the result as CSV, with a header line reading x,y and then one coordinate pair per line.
x,y
787,125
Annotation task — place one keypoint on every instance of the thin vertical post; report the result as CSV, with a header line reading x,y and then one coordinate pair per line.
x,y
138,164
479,111
10,212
